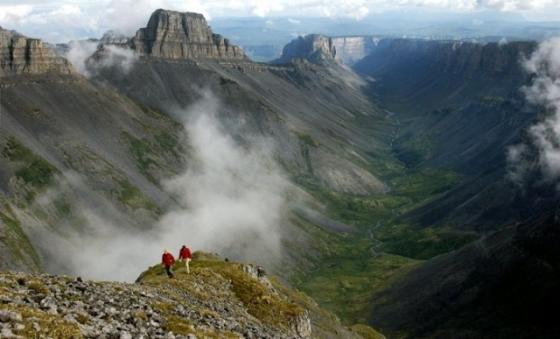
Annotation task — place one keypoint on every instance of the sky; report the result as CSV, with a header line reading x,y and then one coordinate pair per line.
x,y
62,20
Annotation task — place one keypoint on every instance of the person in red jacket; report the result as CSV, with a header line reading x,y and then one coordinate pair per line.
x,y
167,261
185,255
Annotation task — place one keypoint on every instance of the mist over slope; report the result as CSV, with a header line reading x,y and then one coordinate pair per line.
x,y
130,155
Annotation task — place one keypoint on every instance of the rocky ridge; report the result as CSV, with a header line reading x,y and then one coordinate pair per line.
x,y
22,55
217,300
177,35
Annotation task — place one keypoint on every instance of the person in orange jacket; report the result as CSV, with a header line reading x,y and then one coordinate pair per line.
x,y
185,255
167,261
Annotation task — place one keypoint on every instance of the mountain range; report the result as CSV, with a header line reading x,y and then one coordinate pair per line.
x,y
370,173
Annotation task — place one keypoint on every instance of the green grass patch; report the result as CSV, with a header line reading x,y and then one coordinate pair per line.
x,y
168,142
33,170
414,150
18,242
142,152
149,153
307,139
260,301
424,184
345,285
367,332
423,243
52,326
132,197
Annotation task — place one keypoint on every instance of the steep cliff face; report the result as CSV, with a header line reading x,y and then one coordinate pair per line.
x,y
314,48
350,50
408,67
22,55
176,35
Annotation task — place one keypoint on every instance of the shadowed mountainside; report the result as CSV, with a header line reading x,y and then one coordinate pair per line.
x,y
460,106
501,286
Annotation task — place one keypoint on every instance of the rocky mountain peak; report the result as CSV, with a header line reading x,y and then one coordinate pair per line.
x,y
23,55
114,38
315,48
182,35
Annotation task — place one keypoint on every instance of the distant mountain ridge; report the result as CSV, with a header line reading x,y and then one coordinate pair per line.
x,y
315,48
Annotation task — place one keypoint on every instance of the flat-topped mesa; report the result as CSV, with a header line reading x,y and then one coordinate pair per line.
x,y
22,55
176,35
314,48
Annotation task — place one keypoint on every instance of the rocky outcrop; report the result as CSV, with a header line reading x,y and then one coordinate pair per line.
x,y
22,55
176,35
314,48
217,299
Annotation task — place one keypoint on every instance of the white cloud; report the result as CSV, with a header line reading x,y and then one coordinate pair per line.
x,y
72,19
544,65
232,200
11,15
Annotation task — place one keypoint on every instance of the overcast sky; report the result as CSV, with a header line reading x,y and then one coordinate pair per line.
x,y
60,20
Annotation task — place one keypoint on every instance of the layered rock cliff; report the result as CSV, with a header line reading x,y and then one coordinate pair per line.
x,y
176,35
350,50
454,58
314,48
22,55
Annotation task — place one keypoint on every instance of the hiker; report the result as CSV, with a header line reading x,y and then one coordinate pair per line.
x,y
185,255
167,261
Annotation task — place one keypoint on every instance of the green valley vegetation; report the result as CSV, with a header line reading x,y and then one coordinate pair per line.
x,y
353,266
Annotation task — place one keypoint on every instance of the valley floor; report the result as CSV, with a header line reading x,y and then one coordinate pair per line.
x,y
384,244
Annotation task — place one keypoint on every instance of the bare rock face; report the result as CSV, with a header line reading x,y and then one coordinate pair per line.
x,y
314,48
176,35
22,55
350,50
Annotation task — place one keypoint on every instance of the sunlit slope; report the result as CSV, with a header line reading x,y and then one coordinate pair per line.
x,y
217,299
67,144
